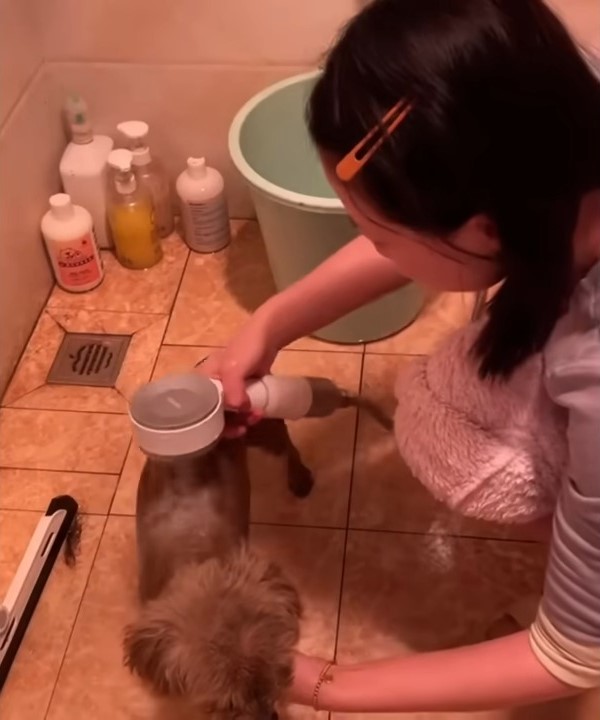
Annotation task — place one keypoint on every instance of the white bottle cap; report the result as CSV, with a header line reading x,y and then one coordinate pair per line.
x,y
141,156
120,159
61,206
197,167
136,132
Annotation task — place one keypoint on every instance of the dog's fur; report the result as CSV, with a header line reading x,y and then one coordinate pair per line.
x,y
218,624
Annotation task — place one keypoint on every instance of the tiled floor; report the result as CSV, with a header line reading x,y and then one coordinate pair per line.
x,y
375,558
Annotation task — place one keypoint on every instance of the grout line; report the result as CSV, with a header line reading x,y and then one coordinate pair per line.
x,y
39,408
19,360
304,526
348,514
350,350
74,412
83,308
456,536
25,88
54,470
27,393
331,528
77,612
391,353
81,511
114,493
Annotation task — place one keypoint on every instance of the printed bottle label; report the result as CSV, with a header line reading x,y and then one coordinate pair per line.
x,y
78,262
206,225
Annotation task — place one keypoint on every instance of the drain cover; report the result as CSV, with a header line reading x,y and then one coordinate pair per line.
x,y
89,359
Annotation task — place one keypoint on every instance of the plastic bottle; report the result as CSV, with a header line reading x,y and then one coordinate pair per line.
x,y
69,234
203,207
150,173
130,215
83,167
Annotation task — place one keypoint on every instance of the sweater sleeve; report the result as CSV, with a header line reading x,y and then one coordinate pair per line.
x,y
566,634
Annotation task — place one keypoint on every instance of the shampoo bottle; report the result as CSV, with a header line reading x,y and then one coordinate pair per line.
x,y
69,235
204,215
130,215
150,173
83,167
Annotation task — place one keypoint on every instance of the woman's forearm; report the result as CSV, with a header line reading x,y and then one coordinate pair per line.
x,y
350,278
494,674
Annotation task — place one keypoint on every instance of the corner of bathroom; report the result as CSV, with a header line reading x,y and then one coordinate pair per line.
x,y
157,185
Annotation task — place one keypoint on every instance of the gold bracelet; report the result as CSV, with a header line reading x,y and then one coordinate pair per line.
x,y
325,677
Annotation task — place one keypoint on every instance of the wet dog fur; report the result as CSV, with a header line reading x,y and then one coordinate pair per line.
x,y
218,624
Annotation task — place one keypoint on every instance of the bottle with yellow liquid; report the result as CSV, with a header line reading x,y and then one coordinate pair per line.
x,y
130,215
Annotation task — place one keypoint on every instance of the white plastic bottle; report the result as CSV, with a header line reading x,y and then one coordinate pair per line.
x,y
203,207
83,167
150,173
69,234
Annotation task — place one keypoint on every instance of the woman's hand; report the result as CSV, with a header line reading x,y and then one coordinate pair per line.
x,y
249,355
494,674
307,671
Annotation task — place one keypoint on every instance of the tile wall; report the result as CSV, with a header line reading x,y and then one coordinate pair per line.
x,y
31,141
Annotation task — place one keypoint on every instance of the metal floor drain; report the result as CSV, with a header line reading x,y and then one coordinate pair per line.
x,y
92,359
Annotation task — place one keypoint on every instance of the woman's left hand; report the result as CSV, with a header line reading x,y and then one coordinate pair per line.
x,y
306,675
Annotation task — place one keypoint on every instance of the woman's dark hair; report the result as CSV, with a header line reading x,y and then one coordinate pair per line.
x,y
506,123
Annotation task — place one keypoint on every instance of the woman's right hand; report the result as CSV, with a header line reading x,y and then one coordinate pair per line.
x,y
249,355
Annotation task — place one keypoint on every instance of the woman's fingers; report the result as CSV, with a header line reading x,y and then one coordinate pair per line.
x,y
234,390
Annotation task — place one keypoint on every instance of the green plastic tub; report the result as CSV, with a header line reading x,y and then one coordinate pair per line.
x,y
302,220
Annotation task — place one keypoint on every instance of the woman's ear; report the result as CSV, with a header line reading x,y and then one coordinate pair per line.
x,y
478,236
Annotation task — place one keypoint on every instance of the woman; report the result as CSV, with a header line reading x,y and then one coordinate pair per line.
x,y
484,165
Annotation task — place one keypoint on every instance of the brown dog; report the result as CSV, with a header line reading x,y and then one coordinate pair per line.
x,y
218,624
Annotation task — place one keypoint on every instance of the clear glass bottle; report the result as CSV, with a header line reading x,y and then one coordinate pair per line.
x,y
150,172
130,215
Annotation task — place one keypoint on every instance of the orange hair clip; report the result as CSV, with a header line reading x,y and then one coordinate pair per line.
x,y
350,165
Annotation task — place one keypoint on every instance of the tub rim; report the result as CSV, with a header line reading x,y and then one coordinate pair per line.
x,y
281,194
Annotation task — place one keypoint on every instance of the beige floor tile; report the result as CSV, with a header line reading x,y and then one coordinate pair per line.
x,y
123,290
29,389
219,293
93,682
53,440
395,587
442,314
33,489
312,558
179,358
125,496
325,445
33,675
385,495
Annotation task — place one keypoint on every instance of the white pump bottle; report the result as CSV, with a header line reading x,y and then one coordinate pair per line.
x,y
203,207
83,167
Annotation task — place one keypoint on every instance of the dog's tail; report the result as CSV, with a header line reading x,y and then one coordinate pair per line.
x,y
222,635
